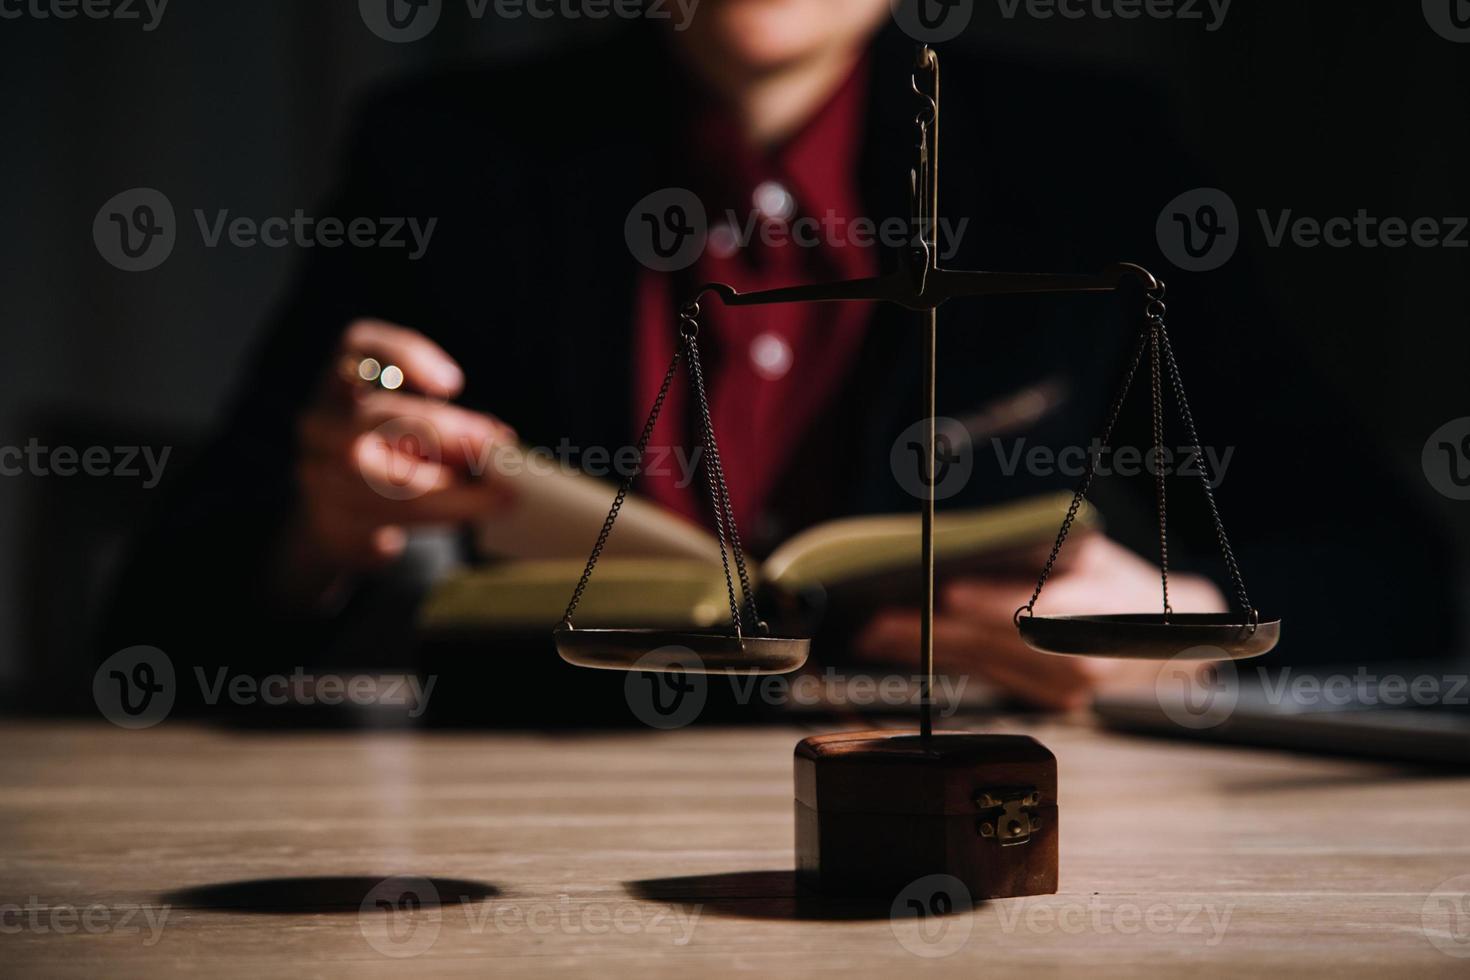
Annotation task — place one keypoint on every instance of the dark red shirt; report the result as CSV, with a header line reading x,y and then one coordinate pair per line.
x,y
776,218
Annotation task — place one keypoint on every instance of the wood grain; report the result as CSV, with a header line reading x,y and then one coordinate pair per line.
x,y
669,855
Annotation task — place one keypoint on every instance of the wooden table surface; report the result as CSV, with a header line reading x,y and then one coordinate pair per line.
x,y
188,849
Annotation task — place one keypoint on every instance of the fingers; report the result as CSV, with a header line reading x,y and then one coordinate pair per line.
x,y
387,487
412,425
988,600
372,463
426,366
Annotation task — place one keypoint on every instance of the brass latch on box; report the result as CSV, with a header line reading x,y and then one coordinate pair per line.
x,y
1006,815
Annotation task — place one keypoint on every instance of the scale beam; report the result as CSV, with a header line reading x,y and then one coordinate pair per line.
x,y
933,286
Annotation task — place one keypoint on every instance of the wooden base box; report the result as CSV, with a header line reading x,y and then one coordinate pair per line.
x,y
877,810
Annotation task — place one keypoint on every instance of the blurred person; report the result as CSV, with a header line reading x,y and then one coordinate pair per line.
x,y
529,318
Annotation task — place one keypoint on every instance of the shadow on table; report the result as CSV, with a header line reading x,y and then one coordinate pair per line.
x,y
757,895
330,893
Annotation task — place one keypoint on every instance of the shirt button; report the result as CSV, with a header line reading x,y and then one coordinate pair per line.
x,y
773,201
771,356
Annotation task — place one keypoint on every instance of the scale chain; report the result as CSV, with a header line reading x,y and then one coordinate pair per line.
x,y
720,493
727,533
716,467
1155,336
624,487
1088,473
1237,581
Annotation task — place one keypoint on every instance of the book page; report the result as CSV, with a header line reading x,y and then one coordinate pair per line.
x,y
558,513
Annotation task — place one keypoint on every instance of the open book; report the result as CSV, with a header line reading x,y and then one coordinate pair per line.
x,y
660,570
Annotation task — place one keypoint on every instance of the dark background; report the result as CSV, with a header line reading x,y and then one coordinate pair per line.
x,y
1322,108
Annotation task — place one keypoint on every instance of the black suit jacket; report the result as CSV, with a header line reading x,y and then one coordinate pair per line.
x,y
528,282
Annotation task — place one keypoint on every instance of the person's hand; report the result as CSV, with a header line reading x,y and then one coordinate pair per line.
x,y
373,462
974,631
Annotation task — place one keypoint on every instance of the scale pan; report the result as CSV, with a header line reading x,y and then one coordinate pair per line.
x,y
689,651
1146,636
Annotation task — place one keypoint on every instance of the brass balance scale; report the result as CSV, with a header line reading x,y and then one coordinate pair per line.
x,y
979,807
